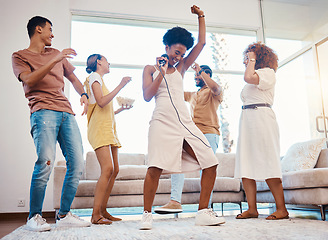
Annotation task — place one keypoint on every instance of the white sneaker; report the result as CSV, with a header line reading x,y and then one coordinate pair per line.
x,y
207,217
146,221
71,220
37,223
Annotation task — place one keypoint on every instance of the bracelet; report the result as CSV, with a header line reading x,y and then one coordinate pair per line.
x,y
200,72
252,60
85,95
201,16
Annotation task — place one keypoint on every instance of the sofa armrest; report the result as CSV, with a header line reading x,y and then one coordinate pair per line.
x,y
322,159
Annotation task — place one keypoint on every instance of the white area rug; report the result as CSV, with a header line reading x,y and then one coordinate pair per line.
x,y
184,228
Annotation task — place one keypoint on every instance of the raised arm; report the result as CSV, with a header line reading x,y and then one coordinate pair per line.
x,y
31,78
250,75
196,50
215,88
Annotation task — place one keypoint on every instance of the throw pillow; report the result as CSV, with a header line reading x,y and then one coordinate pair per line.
x,y
303,155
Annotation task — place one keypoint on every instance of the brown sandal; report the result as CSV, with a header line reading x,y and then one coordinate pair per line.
x,y
274,217
246,215
112,218
101,220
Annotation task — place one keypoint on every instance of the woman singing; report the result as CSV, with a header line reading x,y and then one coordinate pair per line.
x,y
175,144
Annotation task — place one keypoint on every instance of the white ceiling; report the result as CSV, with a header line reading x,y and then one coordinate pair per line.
x,y
295,19
300,2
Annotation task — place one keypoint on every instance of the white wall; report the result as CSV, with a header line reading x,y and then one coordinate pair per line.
x,y
16,146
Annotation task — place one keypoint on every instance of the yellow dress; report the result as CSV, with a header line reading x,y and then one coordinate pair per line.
x,y
101,121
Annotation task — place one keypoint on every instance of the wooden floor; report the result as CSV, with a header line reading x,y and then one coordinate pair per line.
x,y
10,221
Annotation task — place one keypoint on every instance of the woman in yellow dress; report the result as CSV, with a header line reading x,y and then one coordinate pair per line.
x,y
102,133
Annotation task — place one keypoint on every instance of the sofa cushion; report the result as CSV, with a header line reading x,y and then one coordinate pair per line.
x,y
310,178
222,184
132,172
194,174
303,155
226,167
92,167
86,187
92,171
227,184
132,159
323,159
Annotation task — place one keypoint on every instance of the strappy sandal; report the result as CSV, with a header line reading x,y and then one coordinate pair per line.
x,y
112,218
242,215
274,217
101,220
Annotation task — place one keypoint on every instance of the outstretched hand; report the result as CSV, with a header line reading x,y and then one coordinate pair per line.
x,y
196,10
126,107
122,108
125,80
66,53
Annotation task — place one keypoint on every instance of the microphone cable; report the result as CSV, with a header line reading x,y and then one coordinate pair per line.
x,y
176,110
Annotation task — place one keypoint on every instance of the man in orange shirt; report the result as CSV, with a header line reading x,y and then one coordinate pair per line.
x,y
41,70
204,103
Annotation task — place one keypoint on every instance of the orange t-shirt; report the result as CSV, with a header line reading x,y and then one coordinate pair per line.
x,y
48,93
204,105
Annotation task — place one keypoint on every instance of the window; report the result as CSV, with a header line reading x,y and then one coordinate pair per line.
x,y
129,46
284,47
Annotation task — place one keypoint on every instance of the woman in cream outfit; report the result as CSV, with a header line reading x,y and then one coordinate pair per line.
x,y
175,144
258,149
102,133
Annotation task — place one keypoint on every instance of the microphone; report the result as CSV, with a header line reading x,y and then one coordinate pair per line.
x,y
163,62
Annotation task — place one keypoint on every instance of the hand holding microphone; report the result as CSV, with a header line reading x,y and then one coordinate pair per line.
x,y
163,61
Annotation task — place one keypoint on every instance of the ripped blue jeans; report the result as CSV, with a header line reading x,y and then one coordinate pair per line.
x,y
48,127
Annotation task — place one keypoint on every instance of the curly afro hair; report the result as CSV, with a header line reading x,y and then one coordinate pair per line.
x,y
265,56
178,35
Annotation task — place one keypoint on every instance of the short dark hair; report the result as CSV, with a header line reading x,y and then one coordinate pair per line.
x,y
34,22
206,69
178,35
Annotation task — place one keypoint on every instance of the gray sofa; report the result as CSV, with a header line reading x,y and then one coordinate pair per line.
x,y
306,187
128,187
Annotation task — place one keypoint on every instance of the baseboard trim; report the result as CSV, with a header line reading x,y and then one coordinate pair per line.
x,y
23,215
